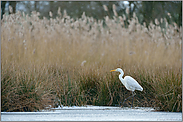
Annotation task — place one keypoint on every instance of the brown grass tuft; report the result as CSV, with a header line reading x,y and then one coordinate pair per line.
x,y
42,62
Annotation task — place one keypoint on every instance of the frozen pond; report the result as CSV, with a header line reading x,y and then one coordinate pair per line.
x,y
93,113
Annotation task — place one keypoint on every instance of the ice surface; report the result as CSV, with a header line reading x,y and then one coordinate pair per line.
x,y
93,113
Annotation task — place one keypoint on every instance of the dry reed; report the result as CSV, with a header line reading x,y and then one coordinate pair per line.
x,y
66,61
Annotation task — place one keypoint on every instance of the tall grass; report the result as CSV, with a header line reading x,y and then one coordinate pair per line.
x,y
66,61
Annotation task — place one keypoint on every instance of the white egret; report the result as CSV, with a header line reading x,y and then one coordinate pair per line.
x,y
130,83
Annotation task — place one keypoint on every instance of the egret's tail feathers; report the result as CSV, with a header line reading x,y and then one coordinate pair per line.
x,y
141,89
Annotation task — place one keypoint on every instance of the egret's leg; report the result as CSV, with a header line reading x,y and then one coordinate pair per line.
x,y
132,102
133,94
126,99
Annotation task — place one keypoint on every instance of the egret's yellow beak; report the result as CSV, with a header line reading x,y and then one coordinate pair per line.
x,y
113,70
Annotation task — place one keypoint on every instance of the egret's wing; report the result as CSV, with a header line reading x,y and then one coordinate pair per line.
x,y
132,84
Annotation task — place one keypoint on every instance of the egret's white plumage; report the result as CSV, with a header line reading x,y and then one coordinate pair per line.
x,y
130,83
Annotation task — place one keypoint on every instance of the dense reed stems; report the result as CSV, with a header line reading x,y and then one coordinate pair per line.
x,y
62,61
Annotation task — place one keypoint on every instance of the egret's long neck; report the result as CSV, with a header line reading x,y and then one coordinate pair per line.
x,y
121,71
121,76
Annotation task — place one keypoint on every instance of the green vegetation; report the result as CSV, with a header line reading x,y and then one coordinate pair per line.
x,y
62,61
